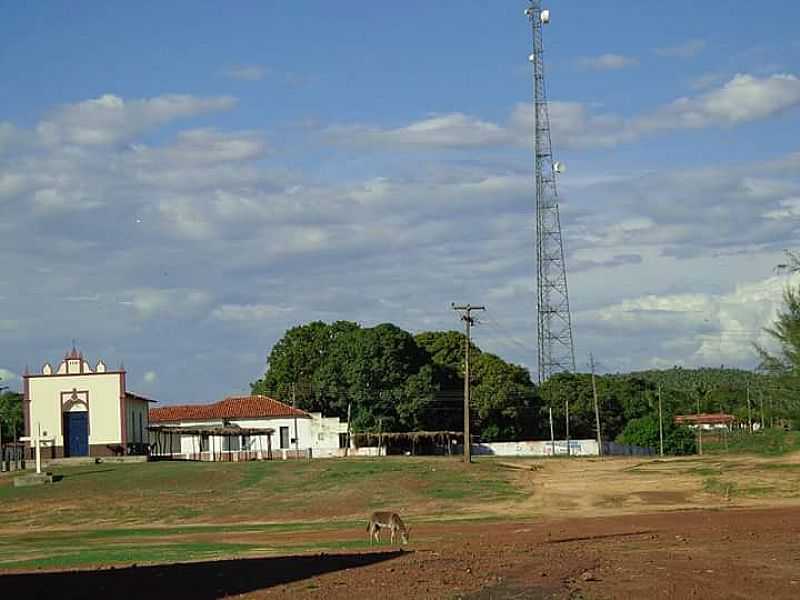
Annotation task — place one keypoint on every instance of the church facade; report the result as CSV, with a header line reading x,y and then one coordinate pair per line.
x,y
84,410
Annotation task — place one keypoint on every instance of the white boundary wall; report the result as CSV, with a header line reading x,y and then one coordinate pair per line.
x,y
537,448
557,448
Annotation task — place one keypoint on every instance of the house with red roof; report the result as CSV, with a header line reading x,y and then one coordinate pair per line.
x,y
706,421
243,428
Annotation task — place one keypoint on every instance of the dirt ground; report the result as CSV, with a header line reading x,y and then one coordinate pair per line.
x,y
696,527
732,553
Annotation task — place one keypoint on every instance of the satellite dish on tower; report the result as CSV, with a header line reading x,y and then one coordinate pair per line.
x,y
531,57
559,167
544,16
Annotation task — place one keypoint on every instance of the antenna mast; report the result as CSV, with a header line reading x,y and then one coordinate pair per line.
x,y
556,348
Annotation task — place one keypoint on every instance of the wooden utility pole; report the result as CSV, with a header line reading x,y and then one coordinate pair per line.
x,y
660,425
749,410
596,409
2,389
468,322
347,448
761,402
296,438
699,428
552,434
566,424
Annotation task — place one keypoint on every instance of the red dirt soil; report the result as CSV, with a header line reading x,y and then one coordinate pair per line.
x,y
694,554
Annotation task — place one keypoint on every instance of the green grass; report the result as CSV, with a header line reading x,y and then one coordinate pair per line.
x,y
713,485
177,511
177,493
770,442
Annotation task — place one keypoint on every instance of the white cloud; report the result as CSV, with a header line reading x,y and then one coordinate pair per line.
x,y
608,62
150,377
248,313
744,98
202,146
686,50
110,119
789,209
453,130
706,328
575,125
148,303
246,72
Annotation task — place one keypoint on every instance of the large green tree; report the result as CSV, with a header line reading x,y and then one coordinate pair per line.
x,y
782,365
11,418
394,381
785,332
380,372
294,360
618,399
503,399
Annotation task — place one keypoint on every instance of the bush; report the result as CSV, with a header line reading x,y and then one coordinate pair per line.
x,y
644,432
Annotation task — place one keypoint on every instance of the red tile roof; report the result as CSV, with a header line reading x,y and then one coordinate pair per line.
x,y
705,418
242,407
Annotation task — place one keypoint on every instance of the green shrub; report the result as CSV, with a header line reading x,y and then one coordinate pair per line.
x,y
644,432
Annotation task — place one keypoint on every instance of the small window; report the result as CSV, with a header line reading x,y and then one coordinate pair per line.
x,y
203,443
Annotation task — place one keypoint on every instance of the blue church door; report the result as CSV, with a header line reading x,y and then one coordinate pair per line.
x,y
76,434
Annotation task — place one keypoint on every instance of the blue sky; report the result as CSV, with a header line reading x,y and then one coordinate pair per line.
x,y
180,182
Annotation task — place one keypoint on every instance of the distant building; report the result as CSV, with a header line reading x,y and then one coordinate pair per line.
x,y
706,421
243,428
86,412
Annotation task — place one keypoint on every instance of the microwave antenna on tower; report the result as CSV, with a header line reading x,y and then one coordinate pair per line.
x,y
556,347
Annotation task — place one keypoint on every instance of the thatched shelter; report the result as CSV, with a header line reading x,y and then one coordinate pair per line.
x,y
413,442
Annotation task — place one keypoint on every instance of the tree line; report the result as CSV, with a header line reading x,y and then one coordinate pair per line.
x,y
392,380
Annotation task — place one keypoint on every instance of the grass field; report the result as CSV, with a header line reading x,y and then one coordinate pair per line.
x,y
770,442
169,511
177,511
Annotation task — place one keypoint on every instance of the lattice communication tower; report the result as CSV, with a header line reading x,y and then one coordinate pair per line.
x,y
556,348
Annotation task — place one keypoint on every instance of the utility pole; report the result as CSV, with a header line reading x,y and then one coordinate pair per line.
x,y
660,425
699,428
749,410
296,438
596,409
347,449
468,322
2,389
552,434
566,427
761,402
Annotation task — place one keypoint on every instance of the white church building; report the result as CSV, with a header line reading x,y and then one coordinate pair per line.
x,y
83,410
244,428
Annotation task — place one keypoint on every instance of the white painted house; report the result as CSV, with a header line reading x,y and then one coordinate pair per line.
x,y
243,428
84,410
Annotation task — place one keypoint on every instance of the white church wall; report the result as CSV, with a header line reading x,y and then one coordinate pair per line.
x,y
103,391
